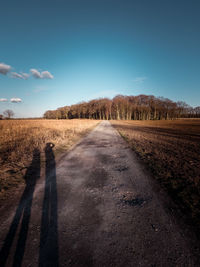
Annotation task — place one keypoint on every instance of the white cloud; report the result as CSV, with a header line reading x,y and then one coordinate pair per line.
x,y
3,100
4,69
21,75
15,100
25,75
139,79
46,75
41,75
36,74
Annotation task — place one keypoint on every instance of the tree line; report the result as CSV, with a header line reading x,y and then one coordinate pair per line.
x,y
141,107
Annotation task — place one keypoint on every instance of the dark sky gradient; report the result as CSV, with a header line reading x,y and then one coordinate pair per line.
x,y
99,48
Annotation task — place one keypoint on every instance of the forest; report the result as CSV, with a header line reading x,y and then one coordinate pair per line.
x,y
141,107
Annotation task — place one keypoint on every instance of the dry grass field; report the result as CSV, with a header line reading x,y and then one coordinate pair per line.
x,y
171,149
19,138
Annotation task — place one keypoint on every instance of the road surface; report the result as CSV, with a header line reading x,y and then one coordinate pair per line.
x,y
95,206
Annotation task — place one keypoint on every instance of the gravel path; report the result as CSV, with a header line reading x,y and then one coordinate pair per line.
x,y
96,206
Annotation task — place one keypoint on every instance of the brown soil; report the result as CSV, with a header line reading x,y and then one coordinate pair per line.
x,y
95,206
171,149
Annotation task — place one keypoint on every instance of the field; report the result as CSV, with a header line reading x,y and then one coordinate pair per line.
x,y
171,150
19,138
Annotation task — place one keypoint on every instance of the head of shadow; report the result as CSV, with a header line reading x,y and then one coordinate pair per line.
x,y
48,253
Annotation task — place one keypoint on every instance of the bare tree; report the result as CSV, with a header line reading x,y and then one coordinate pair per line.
x,y
141,107
8,113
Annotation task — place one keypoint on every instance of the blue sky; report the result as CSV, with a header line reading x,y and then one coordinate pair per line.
x,y
77,50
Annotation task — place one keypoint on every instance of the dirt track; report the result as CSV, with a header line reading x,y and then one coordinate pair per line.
x,y
96,206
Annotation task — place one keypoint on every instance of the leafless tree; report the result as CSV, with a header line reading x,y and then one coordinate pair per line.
x,y
8,113
141,107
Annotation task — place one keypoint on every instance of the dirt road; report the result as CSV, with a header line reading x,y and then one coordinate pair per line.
x,y
96,206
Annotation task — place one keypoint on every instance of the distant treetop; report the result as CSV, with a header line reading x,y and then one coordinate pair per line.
x,y
141,107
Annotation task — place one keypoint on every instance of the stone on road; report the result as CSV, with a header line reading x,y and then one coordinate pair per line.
x,y
96,206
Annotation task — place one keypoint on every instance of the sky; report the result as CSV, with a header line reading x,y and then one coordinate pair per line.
x,y
62,52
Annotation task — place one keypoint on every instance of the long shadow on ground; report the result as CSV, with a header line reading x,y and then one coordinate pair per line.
x,y
23,214
49,224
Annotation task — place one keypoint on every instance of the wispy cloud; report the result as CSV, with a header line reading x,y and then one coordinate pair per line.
x,y
16,100
4,68
139,79
40,89
41,75
21,75
3,100
106,93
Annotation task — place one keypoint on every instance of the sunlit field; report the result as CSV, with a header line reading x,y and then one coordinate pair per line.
x,y
19,138
171,150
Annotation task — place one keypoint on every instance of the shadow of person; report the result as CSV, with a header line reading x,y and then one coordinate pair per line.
x,y
22,214
49,224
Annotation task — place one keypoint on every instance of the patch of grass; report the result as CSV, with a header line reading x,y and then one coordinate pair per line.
x,y
19,138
